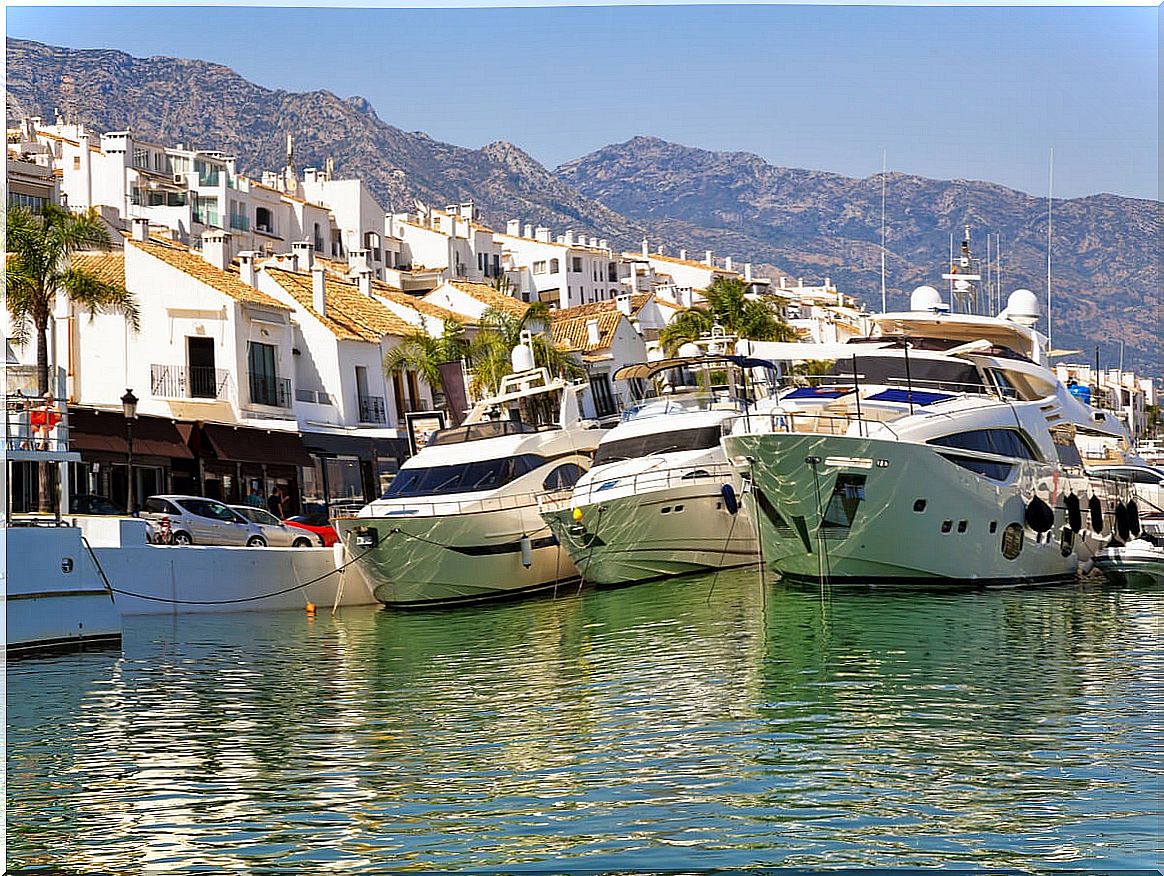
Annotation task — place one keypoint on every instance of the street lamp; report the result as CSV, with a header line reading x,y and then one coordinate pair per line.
x,y
129,408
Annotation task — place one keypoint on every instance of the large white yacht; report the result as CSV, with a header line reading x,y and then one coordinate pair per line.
x,y
460,521
939,450
659,498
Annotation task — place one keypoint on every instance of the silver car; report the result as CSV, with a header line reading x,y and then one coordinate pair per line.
x,y
275,531
197,520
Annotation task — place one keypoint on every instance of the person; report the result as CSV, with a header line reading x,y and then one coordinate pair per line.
x,y
253,498
275,502
43,419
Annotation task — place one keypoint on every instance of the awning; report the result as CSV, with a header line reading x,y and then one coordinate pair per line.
x,y
246,444
105,432
364,447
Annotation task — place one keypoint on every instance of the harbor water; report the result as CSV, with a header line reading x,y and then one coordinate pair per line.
x,y
695,722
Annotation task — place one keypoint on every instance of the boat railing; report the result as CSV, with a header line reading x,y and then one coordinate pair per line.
x,y
653,480
434,506
36,424
814,422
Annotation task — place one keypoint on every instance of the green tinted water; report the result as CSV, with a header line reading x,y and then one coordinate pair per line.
x,y
661,726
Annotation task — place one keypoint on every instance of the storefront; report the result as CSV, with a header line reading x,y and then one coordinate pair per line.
x,y
162,460
235,462
349,470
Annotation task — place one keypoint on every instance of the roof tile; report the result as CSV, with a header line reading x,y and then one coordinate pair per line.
x,y
351,315
192,264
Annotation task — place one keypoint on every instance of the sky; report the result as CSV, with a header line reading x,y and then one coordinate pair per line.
x,y
945,92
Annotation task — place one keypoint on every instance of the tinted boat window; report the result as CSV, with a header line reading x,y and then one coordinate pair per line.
x,y
1004,442
998,471
469,477
658,442
923,373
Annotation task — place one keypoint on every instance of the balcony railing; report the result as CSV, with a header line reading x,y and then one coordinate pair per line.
x,y
188,381
372,409
313,396
274,392
34,423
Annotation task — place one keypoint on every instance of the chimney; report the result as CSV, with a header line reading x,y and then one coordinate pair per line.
x,y
86,171
683,255
727,263
708,259
646,247
303,250
358,258
623,302
569,241
603,243
364,282
783,282
246,267
513,228
529,231
747,272
542,234
592,338
141,230
318,290
216,248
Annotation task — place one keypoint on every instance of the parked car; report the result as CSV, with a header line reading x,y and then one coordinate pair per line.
x,y
197,520
90,503
1145,480
315,521
275,531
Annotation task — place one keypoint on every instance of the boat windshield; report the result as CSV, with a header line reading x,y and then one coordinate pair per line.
x,y
923,373
479,432
657,442
471,477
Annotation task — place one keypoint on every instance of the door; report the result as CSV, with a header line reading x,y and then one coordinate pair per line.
x,y
200,363
261,365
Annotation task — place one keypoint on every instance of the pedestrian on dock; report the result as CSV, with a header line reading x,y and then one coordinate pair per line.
x,y
253,498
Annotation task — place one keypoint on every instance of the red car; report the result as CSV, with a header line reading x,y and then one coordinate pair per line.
x,y
317,523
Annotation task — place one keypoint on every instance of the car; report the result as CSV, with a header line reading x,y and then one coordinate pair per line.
x,y
197,520
89,503
1145,480
317,522
277,533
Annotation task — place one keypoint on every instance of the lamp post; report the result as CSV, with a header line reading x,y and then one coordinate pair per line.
x,y
129,408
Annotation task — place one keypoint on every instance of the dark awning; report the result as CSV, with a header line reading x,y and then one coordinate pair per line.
x,y
105,431
355,445
246,444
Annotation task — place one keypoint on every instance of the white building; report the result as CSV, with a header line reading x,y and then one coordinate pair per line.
x,y
451,240
563,272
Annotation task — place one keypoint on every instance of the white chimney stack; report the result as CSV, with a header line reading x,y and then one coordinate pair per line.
x,y
304,252
592,337
708,259
86,171
318,290
569,241
357,259
623,302
364,282
216,248
683,254
646,247
513,228
141,230
246,267
747,272
529,231
542,234
727,263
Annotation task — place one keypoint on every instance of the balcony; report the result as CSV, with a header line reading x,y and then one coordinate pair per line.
x,y
372,409
189,382
273,392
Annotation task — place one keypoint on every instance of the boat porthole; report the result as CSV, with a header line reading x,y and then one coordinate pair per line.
x,y
993,526
947,525
666,509
919,505
1012,540
678,508
962,524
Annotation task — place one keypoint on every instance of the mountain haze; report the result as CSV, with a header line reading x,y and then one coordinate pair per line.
x,y
809,223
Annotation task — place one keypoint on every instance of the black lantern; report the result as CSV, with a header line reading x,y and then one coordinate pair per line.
x,y
129,408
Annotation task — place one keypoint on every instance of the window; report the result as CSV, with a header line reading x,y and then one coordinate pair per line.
x,y
923,373
264,221
372,244
141,158
576,265
76,162
1003,442
318,239
539,267
487,474
603,398
665,442
261,371
209,509
848,493
563,477
555,266
998,471
154,505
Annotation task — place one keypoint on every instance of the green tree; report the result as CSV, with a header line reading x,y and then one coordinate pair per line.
x,y
40,249
424,354
498,332
728,306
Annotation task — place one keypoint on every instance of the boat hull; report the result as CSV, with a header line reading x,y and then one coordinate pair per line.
x,y
432,559
625,539
1138,563
898,514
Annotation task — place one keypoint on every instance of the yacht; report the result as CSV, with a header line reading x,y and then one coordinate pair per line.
x,y
940,450
460,521
659,499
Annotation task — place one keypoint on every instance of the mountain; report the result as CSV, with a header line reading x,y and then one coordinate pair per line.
x,y
809,223
1105,277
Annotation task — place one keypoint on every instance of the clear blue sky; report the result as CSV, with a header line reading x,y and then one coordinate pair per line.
x,y
978,93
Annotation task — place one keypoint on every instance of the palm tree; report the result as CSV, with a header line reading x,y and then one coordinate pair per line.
x,y
499,332
40,246
727,306
424,354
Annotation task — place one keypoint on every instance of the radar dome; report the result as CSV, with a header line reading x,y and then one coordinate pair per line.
x,y
690,350
925,298
521,358
1022,307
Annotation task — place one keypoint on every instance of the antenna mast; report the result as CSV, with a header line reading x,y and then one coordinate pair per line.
x,y
1050,189
884,308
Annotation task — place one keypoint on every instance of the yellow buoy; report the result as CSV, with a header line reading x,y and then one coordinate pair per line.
x,y
311,608
577,515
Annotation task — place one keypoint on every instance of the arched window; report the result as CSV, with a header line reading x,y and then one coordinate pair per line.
x,y
555,266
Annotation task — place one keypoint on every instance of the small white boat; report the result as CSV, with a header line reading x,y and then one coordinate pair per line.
x,y
1140,561
460,521
659,500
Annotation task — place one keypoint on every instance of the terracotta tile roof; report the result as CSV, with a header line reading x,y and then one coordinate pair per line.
x,y
351,315
688,262
108,267
638,302
418,304
571,333
490,297
192,264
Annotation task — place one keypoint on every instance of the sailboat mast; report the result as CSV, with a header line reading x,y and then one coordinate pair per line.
x,y
1050,190
884,308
